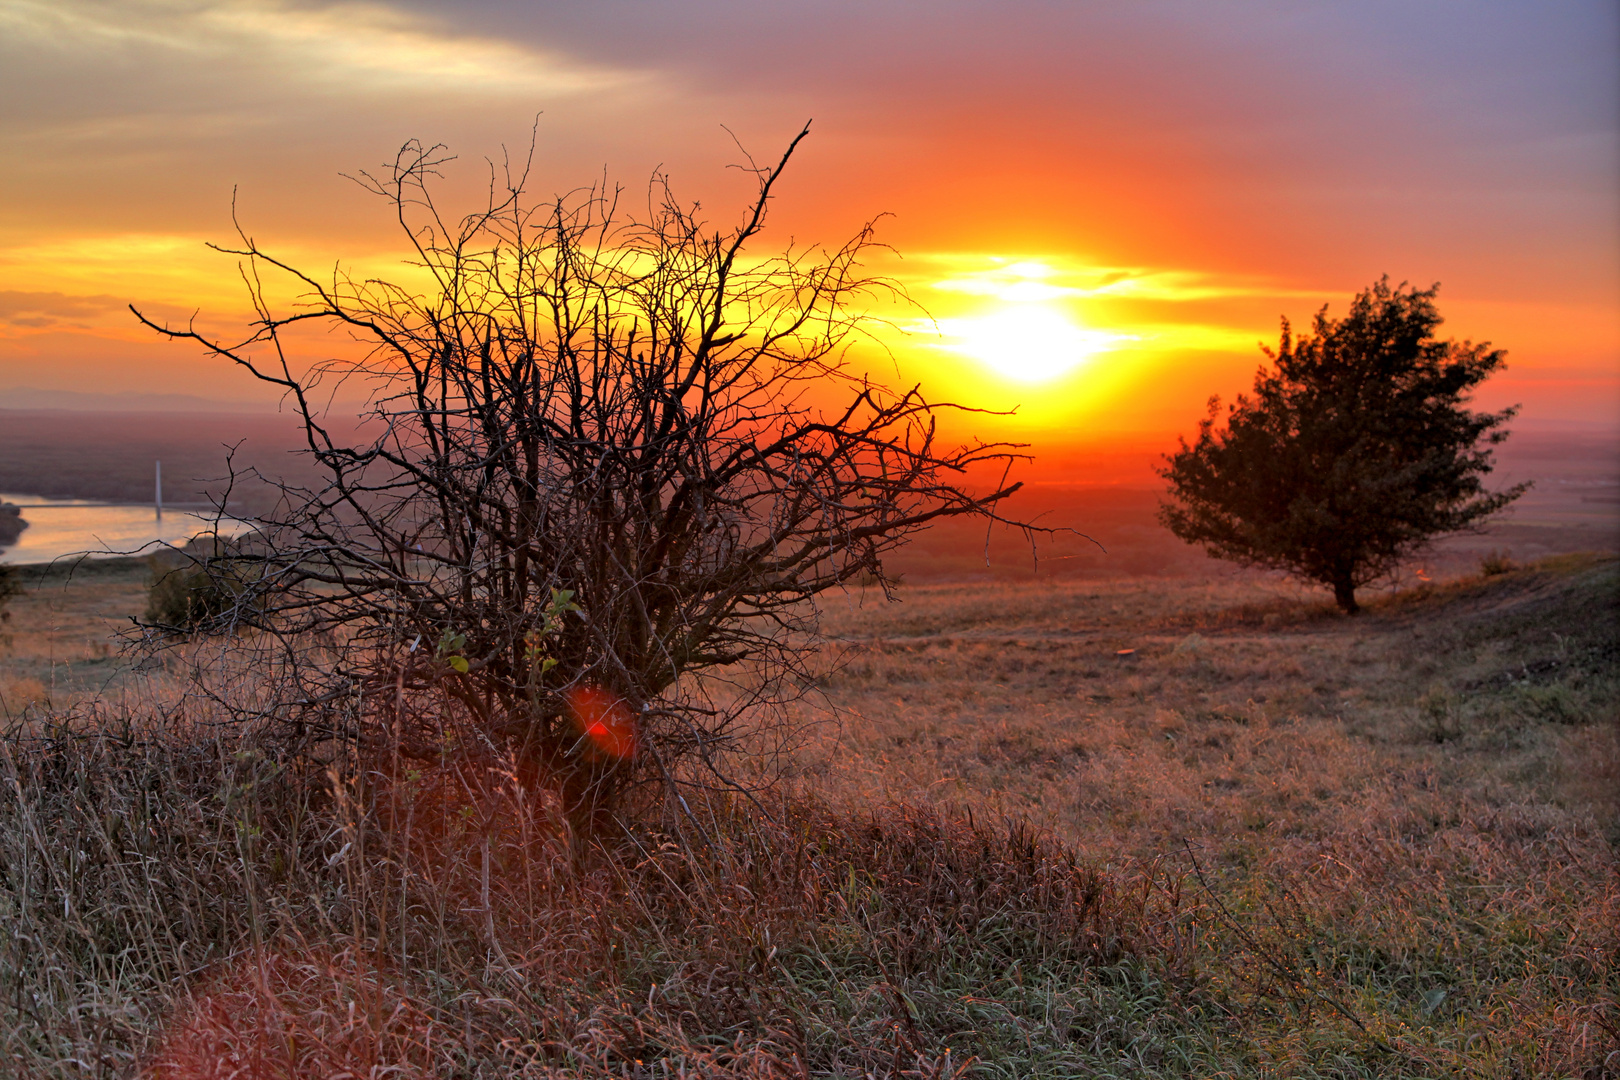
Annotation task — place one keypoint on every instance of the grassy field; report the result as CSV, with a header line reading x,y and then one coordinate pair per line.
x,y
58,637
1397,811
1267,840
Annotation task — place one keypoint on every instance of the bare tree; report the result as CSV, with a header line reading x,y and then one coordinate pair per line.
x,y
605,464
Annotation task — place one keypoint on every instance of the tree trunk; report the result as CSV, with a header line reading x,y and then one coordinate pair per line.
x,y
1344,591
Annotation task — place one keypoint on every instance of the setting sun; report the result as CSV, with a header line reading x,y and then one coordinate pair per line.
x,y
1026,342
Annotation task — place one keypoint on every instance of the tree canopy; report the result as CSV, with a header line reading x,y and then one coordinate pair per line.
x,y
1354,452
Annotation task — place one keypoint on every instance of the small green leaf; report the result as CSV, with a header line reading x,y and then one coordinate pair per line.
x,y
562,602
459,663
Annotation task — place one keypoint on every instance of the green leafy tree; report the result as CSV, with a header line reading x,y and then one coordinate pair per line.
x,y
1355,451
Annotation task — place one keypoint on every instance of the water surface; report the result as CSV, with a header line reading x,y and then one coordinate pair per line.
x,y
68,527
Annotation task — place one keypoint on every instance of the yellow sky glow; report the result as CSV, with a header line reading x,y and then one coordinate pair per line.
x,y
1079,244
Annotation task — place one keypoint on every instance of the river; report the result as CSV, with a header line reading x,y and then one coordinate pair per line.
x,y
63,527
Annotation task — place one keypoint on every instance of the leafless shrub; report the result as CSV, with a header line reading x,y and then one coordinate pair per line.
x,y
606,463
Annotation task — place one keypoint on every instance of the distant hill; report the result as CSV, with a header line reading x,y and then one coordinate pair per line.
x,y
109,455
1574,506
28,397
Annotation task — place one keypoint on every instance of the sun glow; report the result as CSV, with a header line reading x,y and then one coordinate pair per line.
x,y
1027,332
1028,342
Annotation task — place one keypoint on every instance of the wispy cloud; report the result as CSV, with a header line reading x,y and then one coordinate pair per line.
x,y
351,45
1058,277
64,305
49,310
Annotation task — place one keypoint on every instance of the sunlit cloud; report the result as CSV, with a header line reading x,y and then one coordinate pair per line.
x,y
87,283
374,44
1195,337
1025,280
1053,277
49,310
90,268
1020,281
353,45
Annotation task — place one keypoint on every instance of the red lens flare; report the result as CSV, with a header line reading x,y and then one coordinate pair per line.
x,y
604,720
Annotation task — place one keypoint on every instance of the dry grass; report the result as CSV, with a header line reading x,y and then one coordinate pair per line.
x,y
182,909
59,645
1271,841
1417,809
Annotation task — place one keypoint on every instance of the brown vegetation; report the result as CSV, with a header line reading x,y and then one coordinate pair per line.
x,y
1269,840
12,523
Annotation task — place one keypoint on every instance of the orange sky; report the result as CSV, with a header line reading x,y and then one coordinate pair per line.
x,y
1103,206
